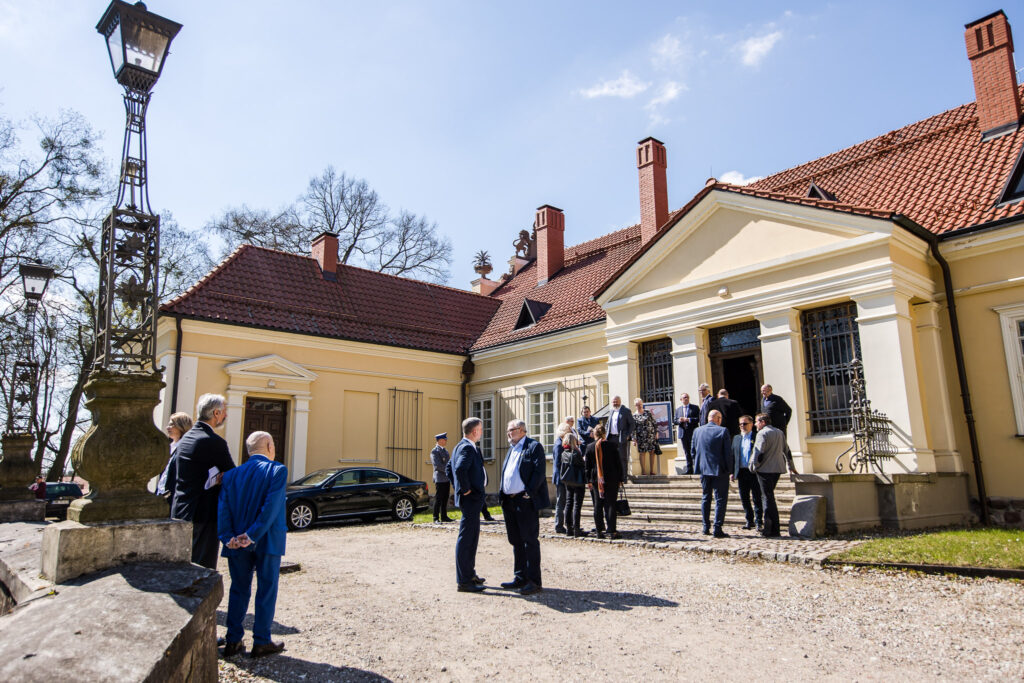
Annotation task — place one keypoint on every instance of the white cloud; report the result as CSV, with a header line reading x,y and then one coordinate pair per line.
x,y
668,92
625,86
757,48
737,178
668,52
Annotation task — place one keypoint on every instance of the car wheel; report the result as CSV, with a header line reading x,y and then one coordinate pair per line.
x,y
403,509
301,516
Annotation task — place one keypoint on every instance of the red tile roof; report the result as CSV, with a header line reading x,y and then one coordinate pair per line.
x,y
937,172
264,288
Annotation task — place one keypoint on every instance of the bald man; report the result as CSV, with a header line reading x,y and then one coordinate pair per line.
x,y
712,454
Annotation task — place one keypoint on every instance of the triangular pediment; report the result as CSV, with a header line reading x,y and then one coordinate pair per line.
x,y
728,236
270,366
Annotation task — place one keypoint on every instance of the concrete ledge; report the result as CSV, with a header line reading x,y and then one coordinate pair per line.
x,y
32,510
71,549
20,561
139,622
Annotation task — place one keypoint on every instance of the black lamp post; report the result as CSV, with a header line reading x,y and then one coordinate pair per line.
x,y
17,468
123,449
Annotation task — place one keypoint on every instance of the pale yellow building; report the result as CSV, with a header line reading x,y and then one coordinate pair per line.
x,y
875,252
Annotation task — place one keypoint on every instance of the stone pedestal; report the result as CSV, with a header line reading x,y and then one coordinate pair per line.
x,y
851,499
31,510
17,470
122,450
71,549
916,501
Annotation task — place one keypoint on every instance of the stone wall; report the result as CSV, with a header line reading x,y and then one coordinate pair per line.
x,y
1007,512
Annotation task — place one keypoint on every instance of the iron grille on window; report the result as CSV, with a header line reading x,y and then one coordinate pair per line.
x,y
736,337
831,341
404,437
656,370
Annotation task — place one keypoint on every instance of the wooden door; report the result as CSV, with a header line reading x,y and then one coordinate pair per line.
x,y
266,415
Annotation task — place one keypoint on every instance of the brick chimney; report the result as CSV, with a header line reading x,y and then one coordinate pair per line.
x,y
550,227
990,49
651,161
325,251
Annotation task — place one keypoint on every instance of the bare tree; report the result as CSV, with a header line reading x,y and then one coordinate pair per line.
x,y
368,235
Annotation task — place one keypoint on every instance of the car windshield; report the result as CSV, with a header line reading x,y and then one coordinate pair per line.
x,y
315,479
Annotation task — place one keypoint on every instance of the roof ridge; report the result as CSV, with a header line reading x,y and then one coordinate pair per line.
x,y
808,201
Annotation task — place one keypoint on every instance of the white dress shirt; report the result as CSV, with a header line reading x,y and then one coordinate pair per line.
x,y
511,482
613,422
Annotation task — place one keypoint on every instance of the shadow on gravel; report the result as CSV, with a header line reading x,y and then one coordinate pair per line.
x,y
275,628
293,670
576,602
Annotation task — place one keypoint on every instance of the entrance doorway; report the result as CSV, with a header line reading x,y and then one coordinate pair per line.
x,y
736,363
266,415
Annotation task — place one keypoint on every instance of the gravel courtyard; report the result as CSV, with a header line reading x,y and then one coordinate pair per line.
x,y
378,602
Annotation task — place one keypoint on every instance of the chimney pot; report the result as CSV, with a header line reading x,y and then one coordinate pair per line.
x,y
550,226
651,162
990,49
325,251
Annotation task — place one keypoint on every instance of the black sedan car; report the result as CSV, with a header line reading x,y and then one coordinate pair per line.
x,y
353,492
59,496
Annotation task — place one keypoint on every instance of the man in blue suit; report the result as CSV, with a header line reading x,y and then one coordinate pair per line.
x,y
712,451
524,493
466,472
251,524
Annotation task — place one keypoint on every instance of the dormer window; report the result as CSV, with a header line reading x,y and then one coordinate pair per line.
x,y
530,313
816,192
1014,190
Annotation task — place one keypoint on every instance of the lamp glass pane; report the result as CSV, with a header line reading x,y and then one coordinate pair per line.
x,y
144,48
116,52
34,286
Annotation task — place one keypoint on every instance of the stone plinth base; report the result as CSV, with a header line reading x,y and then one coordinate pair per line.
x,y
139,622
807,517
22,510
915,501
71,549
851,499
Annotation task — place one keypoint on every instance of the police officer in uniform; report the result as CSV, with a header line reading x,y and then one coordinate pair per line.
x,y
442,486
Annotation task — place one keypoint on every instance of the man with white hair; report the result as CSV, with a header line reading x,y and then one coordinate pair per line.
x,y
251,525
199,451
523,494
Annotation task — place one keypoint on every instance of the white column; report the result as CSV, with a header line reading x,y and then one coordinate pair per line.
x,y
300,433
690,361
782,361
163,409
233,423
940,413
890,375
623,381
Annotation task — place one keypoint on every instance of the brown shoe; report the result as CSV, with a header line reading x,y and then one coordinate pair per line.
x,y
232,649
266,649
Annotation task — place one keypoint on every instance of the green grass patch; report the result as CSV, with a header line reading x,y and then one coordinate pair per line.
x,y
1002,548
454,513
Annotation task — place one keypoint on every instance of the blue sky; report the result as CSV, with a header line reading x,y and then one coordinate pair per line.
x,y
476,113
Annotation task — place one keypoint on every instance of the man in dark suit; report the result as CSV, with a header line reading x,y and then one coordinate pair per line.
x,y
466,472
712,451
621,426
776,408
199,451
730,411
524,493
746,481
251,525
705,403
687,417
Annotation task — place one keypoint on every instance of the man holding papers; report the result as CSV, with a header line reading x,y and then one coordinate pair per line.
x,y
202,457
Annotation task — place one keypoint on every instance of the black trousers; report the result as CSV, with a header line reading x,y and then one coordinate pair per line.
x,y
611,494
560,507
771,510
598,502
750,496
441,499
574,506
686,440
205,544
469,538
623,450
522,524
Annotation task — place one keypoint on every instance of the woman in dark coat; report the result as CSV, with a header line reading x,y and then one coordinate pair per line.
x,y
604,474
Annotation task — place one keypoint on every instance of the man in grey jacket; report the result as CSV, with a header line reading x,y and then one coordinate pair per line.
x,y
442,486
771,459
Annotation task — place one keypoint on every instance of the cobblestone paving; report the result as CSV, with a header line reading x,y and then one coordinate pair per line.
x,y
741,542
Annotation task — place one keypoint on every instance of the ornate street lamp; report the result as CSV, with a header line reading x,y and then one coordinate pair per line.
x,y
17,468
123,449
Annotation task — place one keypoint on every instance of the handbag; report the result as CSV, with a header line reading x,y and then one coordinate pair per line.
x,y
622,504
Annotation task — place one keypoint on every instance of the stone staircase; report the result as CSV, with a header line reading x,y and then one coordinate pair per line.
x,y
667,500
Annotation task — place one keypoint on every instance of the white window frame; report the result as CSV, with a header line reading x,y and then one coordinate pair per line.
x,y
486,443
599,402
1009,318
532,429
